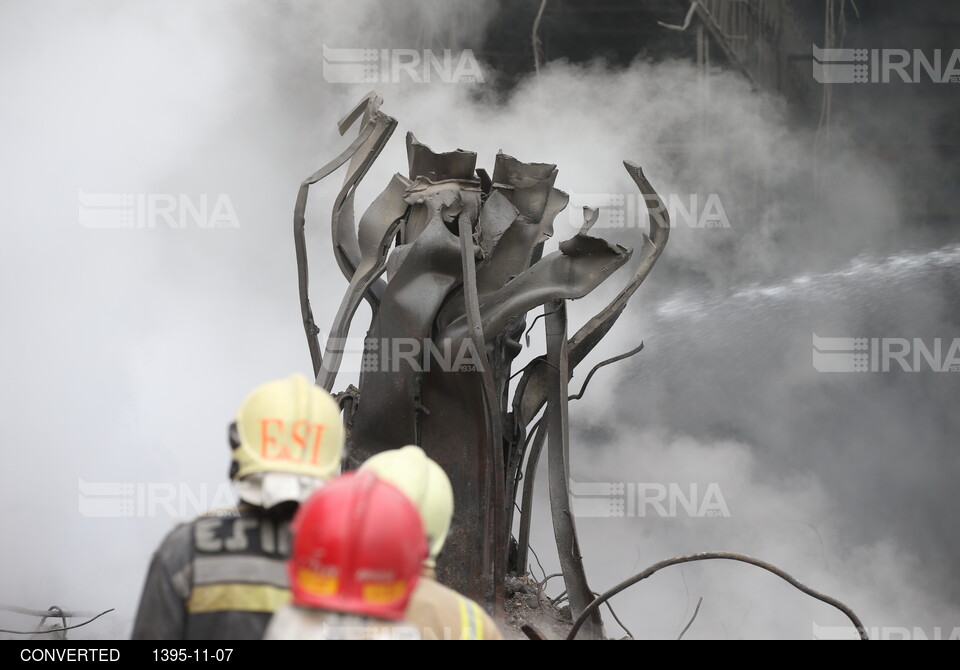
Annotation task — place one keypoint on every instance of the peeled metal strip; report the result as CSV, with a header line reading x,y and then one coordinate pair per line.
x,y
495,544
378,227
346,248
582,343
425,162
511,251
386,417
558,470
581,265
299,239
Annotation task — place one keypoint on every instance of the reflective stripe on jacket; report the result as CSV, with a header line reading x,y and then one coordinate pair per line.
x,y
443,614
218,577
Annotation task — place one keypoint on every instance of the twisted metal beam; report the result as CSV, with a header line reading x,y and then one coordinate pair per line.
x,y
526,506
495,546
582,343
300,243
707,556
378,227
55,630
609,361
346,247
564,528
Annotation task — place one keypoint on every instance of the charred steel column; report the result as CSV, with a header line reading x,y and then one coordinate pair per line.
x,y
463,255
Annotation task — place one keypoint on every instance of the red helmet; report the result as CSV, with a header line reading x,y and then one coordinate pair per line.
x,y
358,547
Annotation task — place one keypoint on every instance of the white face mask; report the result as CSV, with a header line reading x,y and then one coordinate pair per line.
x,y
267,489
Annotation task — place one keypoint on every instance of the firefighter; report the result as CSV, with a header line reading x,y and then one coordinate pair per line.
x,y
358,551
437,610
222,575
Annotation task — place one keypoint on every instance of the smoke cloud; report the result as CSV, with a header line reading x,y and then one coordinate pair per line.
x,y
126,352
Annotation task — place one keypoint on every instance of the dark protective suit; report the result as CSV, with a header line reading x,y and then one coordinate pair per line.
x,y
218,577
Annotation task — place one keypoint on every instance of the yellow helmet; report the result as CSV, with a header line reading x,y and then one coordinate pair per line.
x,y
425,483
287,426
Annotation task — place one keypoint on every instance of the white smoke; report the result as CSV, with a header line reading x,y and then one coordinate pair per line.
x,y
126,352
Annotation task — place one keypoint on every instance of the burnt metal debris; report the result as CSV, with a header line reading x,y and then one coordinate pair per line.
x,y
453,257
57,632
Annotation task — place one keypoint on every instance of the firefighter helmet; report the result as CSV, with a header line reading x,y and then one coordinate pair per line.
x,y
358,548
287,438
425,483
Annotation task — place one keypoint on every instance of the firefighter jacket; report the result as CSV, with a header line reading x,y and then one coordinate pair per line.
x,y
219,577
443,614
303,623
